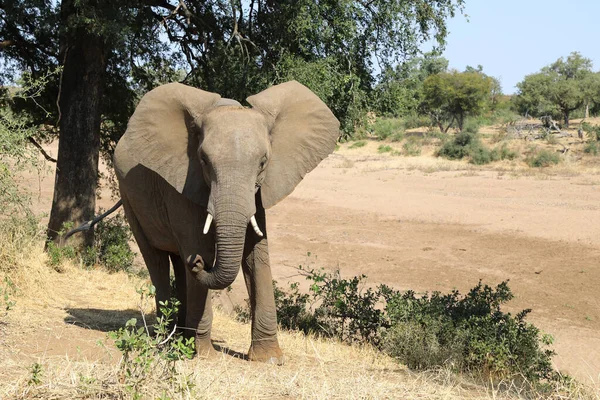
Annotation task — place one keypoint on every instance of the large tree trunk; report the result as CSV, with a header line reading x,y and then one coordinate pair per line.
x,y
80,108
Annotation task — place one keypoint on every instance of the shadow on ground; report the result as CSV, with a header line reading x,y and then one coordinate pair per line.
x,y
104,320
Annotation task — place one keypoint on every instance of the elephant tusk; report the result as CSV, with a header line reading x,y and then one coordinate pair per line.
x,y
255,226
209,219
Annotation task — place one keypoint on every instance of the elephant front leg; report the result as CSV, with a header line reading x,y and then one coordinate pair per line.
x,y
259,282
199,313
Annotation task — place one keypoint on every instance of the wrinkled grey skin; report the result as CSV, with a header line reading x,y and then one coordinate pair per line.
x,y
188,153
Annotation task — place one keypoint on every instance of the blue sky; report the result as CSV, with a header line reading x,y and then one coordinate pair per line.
x,y
512,38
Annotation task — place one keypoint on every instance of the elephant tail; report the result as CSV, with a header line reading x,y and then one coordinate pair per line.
x,y
86,226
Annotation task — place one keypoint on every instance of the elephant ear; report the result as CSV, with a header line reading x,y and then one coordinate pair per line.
x,y
303,132
164,135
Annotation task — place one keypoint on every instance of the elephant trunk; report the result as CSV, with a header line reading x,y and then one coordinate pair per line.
x,y
230,236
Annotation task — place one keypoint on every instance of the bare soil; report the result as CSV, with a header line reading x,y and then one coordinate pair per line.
x,y
427,224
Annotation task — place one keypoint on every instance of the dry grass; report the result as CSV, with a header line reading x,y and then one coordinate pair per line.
x,y
61,319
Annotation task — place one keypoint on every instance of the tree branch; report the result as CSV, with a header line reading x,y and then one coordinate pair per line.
x,y
46,155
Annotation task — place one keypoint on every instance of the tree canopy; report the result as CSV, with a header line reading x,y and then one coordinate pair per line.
x,y
110,52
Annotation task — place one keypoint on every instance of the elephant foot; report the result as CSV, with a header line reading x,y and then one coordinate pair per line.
x,y
205,349
268,352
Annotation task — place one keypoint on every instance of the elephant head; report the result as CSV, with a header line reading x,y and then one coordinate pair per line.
x,y
220,155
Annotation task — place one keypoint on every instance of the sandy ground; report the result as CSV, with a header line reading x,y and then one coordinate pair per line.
x,y
427,224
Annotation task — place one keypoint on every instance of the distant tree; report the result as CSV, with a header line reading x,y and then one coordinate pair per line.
x,y
449,97
400,89
558,89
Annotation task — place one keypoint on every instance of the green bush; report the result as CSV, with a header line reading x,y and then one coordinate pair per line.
x,y
542,158
470,333
58,255
467,144
383,128
459,147
504,153
111,245
144,353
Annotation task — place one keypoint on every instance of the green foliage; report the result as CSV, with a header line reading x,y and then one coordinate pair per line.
x,y
460,147
592,131
542,158
559,88
384,148
111,245
145,354
399,90
384,128
358,144
469,333
292,310
58,255
467,144
36,374
16,152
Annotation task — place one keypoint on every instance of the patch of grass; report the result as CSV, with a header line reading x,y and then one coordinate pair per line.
x,y
384,148
416,121
592,131
591,148
504,153
471,125
397,137
358,144
411,148
542,158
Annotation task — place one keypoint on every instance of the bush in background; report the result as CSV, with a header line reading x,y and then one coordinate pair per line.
x,y
468,144
384,128
111,245
542,158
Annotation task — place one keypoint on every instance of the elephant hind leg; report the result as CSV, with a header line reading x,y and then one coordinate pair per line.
x,y
156,260
181,286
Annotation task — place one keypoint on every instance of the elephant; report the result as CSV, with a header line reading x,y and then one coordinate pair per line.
x,y
196,173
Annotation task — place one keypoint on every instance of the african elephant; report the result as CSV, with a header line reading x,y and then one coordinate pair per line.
x,y
188,157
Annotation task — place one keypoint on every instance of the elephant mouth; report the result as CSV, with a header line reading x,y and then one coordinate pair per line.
x,y
209,219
